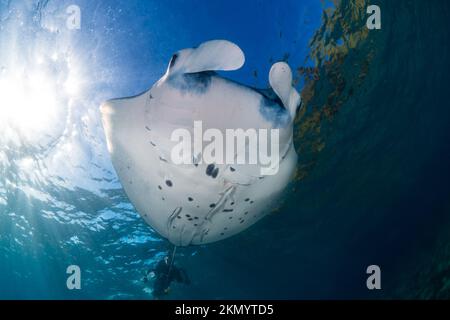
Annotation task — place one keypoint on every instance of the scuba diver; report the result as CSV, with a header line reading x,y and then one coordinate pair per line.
x,y
164,273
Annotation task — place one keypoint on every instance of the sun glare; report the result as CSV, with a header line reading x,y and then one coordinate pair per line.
x,y
27,101
32,99
72,85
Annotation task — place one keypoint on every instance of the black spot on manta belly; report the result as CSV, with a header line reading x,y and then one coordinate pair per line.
x,y
190,199
209,169
215,173
169,183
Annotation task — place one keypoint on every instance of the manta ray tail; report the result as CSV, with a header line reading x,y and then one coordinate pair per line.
x,y
280,79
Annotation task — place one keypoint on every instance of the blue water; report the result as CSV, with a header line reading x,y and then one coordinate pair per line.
x,y
377,193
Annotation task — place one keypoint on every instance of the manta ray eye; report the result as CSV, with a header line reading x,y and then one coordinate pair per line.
x,y
173,60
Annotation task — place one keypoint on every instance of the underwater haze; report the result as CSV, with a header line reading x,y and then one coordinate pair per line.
x,y
373,139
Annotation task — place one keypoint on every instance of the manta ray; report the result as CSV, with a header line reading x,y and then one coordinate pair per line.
x,y
200,202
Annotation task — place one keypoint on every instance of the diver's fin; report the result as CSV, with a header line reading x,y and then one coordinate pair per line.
x,y
209,56
280,79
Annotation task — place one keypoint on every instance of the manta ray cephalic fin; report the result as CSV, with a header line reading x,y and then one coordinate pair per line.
x,y
209,56
280,79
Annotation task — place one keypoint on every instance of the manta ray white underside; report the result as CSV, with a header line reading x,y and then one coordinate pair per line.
x,y
199,203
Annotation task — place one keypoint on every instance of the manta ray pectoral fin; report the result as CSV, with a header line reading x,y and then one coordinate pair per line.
x,y
280,79
209,56
120,115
